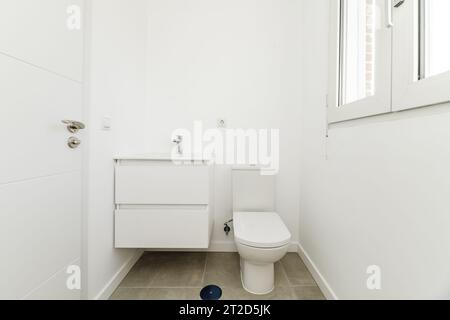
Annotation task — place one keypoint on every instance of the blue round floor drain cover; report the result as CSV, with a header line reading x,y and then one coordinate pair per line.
x,y
211,293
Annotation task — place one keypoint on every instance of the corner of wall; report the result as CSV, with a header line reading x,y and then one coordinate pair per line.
x,y
106,292
317,275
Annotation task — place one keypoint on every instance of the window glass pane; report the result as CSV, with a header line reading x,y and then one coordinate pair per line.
x,y
435,16
357,50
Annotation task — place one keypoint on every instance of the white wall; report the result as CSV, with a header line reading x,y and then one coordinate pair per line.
x,y
117,89
159,65
376,192
234,59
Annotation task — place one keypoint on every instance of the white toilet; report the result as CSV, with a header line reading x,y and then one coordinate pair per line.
x,y
261,236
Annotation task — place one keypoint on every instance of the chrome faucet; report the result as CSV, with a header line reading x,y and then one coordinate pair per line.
x,y
179,141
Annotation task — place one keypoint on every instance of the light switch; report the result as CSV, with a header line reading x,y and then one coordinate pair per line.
x,y
107,123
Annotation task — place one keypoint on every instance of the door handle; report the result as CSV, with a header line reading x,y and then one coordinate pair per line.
x,y
74,126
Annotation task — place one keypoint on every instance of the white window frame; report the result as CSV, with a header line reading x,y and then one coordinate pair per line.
x,y
409,91
380,102
397,84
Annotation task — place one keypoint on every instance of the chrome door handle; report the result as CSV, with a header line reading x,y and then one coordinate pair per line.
x,y
74,126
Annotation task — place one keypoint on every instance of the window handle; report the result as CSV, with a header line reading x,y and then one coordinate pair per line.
x,y
389,19
398,3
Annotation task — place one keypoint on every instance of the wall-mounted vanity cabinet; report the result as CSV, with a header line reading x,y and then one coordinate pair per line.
x,y
163,205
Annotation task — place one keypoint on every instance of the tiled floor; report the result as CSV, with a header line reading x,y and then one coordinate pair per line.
x,y
180,276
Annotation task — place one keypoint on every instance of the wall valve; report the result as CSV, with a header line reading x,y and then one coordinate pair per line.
x,y
227,228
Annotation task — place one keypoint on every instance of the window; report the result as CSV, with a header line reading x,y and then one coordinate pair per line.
x,y
357,50
434,37
360,60
421,60
387,55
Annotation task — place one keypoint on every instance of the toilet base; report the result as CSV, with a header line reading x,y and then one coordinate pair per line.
x,y
257,278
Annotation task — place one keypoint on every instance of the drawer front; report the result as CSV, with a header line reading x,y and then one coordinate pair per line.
x,y
162,184
162,228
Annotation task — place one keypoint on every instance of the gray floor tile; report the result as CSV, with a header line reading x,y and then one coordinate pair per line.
x,y
308,293
180,276
281,279
241,294
296,271
222,269
141,275
156,294
178,270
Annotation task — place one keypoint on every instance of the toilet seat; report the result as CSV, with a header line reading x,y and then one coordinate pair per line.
x,y
263,230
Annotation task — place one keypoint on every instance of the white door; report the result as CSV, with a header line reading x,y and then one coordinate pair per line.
x,y
41,59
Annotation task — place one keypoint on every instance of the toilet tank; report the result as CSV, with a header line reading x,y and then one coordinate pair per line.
x,y
253,192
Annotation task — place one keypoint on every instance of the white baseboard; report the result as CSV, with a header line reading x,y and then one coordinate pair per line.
x,y
318,277
219,246
215,246
115,281
293,247
222,246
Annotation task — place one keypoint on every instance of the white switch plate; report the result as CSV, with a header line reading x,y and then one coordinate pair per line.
x,y
107,123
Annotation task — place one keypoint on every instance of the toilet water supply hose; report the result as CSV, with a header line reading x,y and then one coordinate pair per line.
x,y
227,228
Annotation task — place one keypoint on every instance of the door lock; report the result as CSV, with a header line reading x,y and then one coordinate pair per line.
x,y
74,143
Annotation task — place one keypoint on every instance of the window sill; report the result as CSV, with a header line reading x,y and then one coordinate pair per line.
x,y
418,112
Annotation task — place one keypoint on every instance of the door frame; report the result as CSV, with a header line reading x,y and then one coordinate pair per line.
x,y
86,27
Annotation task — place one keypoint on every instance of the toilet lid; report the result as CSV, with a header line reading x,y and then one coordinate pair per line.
x,y
260,229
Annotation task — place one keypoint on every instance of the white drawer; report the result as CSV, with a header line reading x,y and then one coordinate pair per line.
x,y
162,183
187,228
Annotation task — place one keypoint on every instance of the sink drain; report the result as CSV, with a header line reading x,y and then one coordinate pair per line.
x,y
211,293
